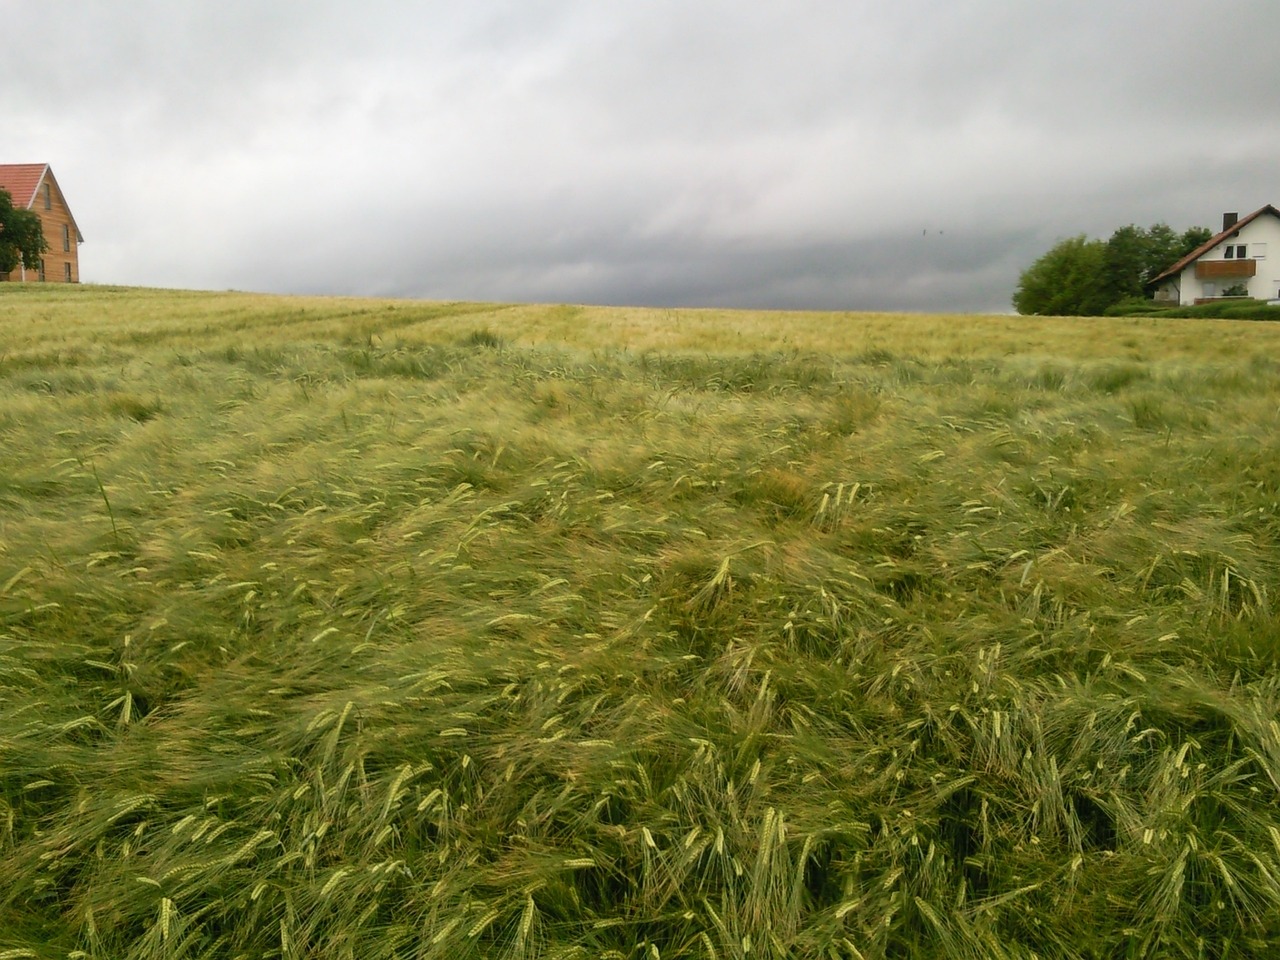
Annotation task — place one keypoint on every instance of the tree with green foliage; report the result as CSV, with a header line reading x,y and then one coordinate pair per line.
x,y
1135,256
21,236
1082,277
1065,282
1126,263
1191,238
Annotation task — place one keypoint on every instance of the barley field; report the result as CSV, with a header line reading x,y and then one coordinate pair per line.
x,y
339,628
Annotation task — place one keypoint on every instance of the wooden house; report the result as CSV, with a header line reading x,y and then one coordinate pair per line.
x,y
33,187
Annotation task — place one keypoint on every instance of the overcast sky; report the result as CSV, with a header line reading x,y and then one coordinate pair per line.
x,y
911,155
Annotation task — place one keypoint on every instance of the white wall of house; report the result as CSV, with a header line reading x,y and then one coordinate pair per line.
x,y
1170,290
1261,237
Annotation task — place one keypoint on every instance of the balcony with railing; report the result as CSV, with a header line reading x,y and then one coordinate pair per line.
x,y
1226,269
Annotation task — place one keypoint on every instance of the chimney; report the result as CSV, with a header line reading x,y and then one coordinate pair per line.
x,y
1229,220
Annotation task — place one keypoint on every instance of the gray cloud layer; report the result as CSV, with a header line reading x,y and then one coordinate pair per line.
x,y
812,153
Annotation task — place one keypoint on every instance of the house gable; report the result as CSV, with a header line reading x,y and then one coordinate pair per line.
x,y
1243,259
1213,242
33,186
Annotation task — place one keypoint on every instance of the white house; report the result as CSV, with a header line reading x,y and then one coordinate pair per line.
x,y
1241,261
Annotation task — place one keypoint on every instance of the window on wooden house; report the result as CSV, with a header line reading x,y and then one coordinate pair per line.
x,y
48,197
66,272
66,239
41,274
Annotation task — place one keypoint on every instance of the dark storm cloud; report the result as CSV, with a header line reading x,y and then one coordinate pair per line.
x,y
804,154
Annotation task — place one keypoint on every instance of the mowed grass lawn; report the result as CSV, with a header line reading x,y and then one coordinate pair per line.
x,y
360,629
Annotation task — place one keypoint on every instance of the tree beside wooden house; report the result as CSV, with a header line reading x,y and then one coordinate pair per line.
x,y
33,187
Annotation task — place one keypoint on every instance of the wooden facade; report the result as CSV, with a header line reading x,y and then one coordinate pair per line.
x,y
33,187
1228,269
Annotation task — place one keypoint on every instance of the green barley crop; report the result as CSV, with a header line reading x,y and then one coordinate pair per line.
x,y
345,628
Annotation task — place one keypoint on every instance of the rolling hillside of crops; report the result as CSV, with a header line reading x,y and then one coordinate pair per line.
x,y
337,628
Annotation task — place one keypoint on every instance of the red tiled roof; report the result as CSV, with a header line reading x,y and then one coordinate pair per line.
x,y
1212,242
21,181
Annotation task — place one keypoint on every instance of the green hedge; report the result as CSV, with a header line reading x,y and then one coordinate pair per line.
x,y
1242,309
